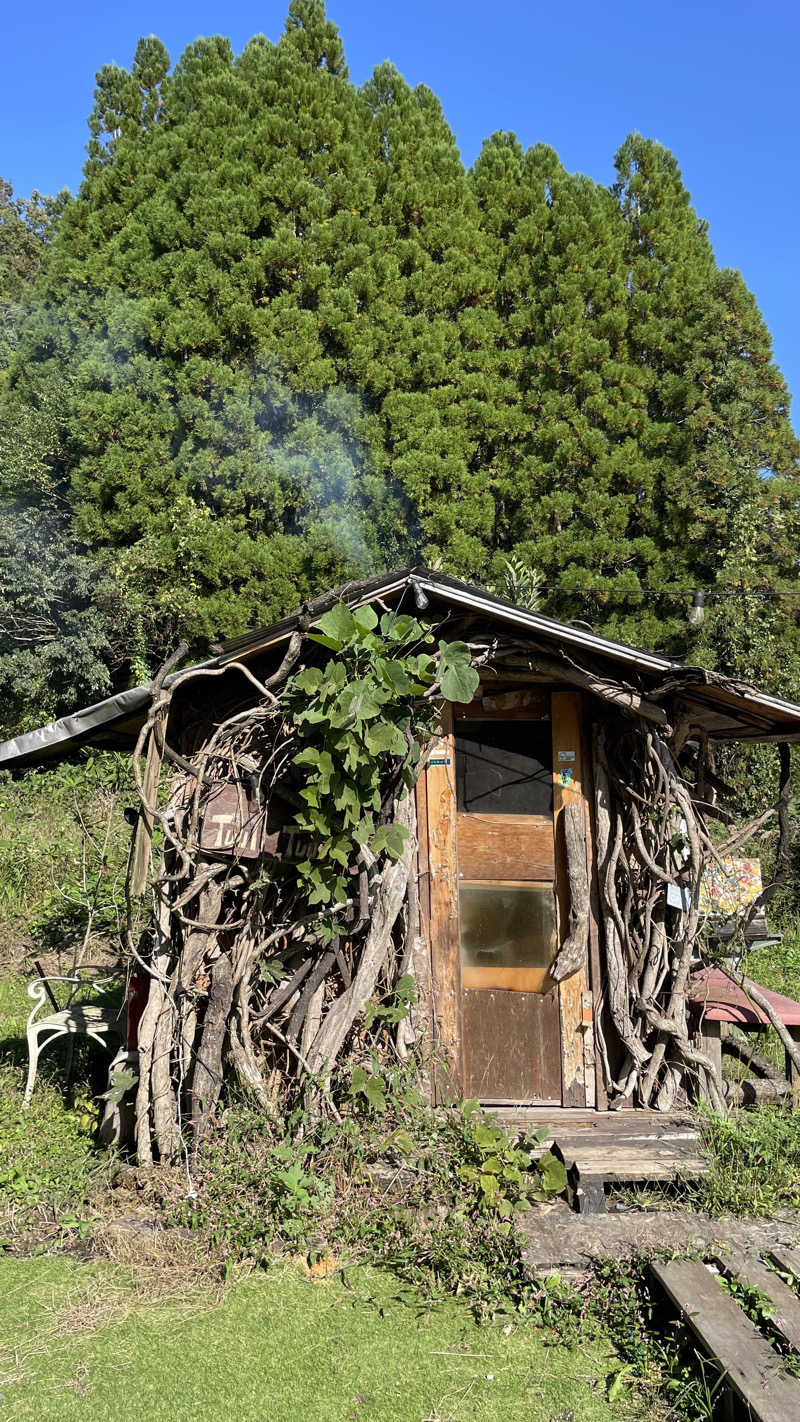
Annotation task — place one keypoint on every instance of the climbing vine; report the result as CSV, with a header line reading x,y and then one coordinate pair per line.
x,y
361,720
272,962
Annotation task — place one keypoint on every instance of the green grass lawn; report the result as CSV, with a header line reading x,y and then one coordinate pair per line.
x,y
280,1348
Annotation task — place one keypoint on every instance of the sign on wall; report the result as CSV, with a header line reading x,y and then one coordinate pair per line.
x,y
235,824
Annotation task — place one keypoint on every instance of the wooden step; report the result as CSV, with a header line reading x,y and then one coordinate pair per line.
x,y
617,1161
593,1163
751,1366
750,1271
787,1260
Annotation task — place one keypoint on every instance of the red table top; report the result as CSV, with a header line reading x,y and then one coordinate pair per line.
x,y
722,1000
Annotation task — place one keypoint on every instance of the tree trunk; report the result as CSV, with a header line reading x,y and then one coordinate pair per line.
x,y
207,1078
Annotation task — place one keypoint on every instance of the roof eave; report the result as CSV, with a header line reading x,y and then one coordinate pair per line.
x,y
743,713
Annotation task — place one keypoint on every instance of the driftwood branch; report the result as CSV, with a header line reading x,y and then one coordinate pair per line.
x,y
623,698
573,951
737,1044
387,903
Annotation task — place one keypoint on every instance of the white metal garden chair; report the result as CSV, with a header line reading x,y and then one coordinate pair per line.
x,y
75,1019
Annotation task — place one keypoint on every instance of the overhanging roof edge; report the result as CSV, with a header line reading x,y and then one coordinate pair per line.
x,y
78,727
75,727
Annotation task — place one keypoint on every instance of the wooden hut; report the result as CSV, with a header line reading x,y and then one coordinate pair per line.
x,y
541,978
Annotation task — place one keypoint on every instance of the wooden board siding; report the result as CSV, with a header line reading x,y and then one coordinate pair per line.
x,y
444,937
516,848
574,997
529,704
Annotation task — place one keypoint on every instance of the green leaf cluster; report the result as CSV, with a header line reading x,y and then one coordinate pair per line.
x,y
360,718
369,1085
404,996
505,1175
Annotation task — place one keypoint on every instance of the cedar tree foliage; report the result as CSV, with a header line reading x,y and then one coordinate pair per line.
x,y
281,337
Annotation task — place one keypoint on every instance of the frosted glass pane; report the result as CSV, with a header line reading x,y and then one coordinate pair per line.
x,y
508,935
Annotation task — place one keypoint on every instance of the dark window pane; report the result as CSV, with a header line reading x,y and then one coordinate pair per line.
x,y
504,767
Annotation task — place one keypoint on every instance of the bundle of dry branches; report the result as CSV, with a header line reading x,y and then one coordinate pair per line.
x,y
241,969
651,834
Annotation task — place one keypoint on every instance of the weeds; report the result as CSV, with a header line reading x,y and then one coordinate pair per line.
x,y
658,1356
762,1312
430,1195
754,1163
63,847
778,966
48,1163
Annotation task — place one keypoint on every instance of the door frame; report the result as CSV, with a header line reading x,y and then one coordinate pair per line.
x,y
438,866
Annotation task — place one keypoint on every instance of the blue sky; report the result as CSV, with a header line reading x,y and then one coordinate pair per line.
x,y
714,80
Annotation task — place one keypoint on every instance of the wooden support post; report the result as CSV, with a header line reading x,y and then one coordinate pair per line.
x,y
143,838
421,1015
711,1042
594,1062
444,934
792,1074
568,787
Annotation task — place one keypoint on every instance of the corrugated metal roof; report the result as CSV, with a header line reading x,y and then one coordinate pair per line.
x,y
729,709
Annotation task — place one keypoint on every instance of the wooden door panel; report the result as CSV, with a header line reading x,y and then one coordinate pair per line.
x,y
512,1045
509,847
514,979
528,704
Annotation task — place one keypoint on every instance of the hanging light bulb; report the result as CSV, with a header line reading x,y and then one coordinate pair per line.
x,y
420,599
697,611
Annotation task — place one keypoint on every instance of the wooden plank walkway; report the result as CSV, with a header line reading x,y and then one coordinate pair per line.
x,y
612,1147
788,1260
752,1367
751,1272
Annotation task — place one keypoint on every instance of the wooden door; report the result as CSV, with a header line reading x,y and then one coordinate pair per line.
x,y
507,911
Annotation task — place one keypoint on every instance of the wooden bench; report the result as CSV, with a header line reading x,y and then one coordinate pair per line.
x,y
716,1000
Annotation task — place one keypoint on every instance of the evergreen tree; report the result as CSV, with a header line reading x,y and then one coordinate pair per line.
x,y
26,227
222,227
575,457
720,437
430,346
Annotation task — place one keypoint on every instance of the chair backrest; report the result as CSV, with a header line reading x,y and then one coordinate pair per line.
x,y
88,975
